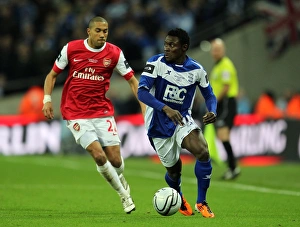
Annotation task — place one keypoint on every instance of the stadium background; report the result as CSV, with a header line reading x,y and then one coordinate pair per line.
x,y
264,59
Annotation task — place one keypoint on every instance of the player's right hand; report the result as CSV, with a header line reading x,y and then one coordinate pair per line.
x,y
48,110
174,115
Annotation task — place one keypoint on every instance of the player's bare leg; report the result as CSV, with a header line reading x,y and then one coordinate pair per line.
x,y
114,156
105,168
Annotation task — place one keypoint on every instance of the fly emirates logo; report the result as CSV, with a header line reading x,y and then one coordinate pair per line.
x,y
88,74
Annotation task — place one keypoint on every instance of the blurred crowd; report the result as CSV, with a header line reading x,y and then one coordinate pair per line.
x,y
32,32
270,106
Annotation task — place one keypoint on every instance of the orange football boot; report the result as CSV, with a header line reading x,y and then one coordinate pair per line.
x,y
185,208
204,209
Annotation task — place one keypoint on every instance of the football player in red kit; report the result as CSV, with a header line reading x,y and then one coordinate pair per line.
x,y
84,105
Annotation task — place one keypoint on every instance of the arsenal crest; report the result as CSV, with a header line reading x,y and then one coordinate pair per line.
x,y
76,127
106,62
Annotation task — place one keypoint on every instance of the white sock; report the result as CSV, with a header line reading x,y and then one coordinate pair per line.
x,y
111,176
120,170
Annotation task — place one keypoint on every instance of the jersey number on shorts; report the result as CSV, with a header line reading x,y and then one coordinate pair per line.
x,y
111,128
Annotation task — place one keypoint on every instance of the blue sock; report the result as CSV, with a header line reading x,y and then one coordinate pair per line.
x,y
173,183
203,173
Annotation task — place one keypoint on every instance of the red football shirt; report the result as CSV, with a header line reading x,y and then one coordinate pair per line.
x,y
88,80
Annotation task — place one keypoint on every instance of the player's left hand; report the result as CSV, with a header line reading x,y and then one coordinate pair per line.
x,y
208,118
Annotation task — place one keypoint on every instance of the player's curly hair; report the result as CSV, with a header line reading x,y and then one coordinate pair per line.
x,y
182,36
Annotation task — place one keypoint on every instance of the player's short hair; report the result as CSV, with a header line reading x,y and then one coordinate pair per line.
x,y
96,19
182,36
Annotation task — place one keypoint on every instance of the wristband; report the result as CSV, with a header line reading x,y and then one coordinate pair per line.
x,y
47,98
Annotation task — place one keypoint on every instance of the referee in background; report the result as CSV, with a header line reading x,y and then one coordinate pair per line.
x,y
224,82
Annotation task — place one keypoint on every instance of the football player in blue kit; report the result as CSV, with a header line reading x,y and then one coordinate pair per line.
x,y
168,86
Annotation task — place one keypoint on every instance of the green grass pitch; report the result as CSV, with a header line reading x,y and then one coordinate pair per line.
x,y
67,191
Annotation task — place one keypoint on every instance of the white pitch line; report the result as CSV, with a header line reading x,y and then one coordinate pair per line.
x,y
69,164
233,185
257,189
50,186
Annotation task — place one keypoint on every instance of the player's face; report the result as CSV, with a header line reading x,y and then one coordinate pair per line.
x,y
174,50
97,34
